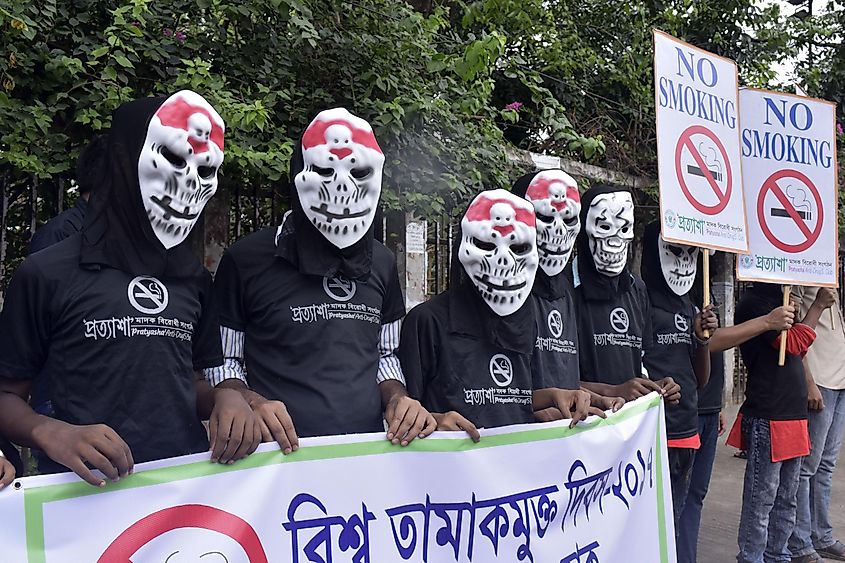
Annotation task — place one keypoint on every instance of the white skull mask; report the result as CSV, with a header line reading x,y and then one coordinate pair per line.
x,y
679,264
610,230
177,169
557,204
340,184
499,249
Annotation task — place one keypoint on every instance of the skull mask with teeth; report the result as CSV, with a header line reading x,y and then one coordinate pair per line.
x,y
177,169
678,264
498,249
557,203
340,184
610,229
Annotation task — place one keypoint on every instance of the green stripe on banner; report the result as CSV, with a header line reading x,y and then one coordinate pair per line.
x,y
661,505
36,497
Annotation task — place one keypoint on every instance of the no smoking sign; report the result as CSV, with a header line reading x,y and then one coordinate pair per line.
x,y
790,211
703,170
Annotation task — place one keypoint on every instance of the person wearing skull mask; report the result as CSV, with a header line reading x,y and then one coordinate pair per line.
x,y
121,314
611,304
557,203
475,340
680,349
313,309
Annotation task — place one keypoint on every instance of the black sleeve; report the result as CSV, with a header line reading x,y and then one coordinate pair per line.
x,y
393,307
228,295
648,331
206,346
25,323
417,351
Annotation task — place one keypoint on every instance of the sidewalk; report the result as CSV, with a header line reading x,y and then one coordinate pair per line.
x,y
720,520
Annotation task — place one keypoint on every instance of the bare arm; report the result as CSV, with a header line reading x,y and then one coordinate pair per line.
x,y
725,338
70,445
824,300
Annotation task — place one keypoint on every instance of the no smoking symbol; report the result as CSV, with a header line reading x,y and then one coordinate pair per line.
x,y
619,320
147,295
555,323
790,217
501,370
339,289
703,170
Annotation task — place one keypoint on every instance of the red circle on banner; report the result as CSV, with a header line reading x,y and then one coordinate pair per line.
x,y
771,185
152,526
685,140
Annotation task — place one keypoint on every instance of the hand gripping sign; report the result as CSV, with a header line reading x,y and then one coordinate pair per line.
x,y
789,172
698,149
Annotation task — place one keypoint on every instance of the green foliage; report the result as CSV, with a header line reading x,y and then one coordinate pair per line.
x,y
426,82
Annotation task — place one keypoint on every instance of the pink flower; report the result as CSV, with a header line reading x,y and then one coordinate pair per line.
x,y
514,106
181,36
167,32
839,129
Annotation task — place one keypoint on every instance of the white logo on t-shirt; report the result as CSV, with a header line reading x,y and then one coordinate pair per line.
x,y
147,295
619,320
339,289
501,370
681,322
555,322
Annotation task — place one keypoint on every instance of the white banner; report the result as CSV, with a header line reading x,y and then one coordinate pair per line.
x,y
791,193
698,154
544,493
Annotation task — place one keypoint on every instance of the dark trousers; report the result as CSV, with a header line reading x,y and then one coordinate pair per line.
x,y
680,469
702,468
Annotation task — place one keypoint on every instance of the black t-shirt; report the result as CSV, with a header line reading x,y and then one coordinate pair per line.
x,y
772,392
555,359
671,355
310,341
450,364
120,350
612,334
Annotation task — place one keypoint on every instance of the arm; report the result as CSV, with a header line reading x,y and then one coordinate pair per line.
x,y
824,300
704,321
406,417
7,471
815,401
725,338
234,431
573,405
67,444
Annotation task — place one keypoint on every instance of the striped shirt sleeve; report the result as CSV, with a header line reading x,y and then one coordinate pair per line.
x,y
388,364
233,358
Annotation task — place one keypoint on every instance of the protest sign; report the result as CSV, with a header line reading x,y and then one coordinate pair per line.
x,y
698,150
541,492
790,185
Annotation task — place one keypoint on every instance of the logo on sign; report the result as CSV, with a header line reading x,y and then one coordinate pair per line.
x,y
339,289
670,217
147,295
501,370
555,322
681,322
746,261
619,320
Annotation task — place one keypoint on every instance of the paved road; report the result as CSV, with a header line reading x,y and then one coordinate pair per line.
x,y
720,520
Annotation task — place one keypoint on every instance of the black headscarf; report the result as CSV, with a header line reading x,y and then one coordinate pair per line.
x,y
302,244
545,286
470,314
595,285
659,291
117,232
